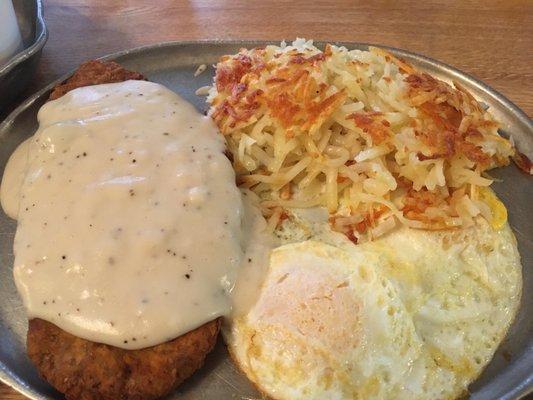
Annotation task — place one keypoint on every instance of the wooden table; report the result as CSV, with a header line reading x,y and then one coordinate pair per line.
x,y
491,40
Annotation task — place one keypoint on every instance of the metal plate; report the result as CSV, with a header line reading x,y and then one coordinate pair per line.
x,y
509,375
16,73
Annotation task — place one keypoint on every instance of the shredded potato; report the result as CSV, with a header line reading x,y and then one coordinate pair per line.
x,y
359,132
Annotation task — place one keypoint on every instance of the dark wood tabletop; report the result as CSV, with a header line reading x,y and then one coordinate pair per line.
x,y
491,40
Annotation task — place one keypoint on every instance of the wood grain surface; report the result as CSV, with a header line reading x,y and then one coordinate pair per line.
x,y
491,40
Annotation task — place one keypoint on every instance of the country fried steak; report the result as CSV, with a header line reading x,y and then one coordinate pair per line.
x,y
85,370
95,72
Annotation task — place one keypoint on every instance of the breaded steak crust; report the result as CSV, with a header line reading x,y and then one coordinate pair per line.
x,y
85,370
95,72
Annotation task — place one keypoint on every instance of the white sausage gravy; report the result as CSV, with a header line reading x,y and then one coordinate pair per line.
x,y
129,220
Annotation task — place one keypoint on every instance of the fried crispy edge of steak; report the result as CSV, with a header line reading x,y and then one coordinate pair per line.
x,y
95,72
86,370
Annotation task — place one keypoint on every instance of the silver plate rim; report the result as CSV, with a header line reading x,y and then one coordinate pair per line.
x,y
454,72
526,386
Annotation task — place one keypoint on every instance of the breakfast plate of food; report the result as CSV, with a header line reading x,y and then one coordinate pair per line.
x,y
250,220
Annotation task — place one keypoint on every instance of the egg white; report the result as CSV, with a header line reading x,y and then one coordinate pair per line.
x,y
462,289
412,315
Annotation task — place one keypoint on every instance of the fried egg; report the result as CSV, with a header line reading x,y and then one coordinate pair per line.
x,y
412,315
462,289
